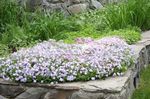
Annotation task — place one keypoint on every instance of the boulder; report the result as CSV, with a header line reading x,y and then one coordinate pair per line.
x,y
77,8
51,95
1,97
32,93
95,4
11,91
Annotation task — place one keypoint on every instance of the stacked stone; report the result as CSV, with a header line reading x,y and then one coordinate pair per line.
x,y
65,6
73,6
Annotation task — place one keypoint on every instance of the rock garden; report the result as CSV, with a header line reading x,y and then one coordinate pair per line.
x,y
73,49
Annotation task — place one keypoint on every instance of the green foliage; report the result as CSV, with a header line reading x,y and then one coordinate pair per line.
x,y
143,91
15,38
95,19
10,13
19,28
4,50
46,26
89,31
131,12
131,35
83,77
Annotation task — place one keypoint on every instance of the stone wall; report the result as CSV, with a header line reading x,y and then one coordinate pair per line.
x,y
65,6
111,88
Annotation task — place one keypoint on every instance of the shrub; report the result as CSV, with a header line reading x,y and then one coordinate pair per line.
x,y
51,62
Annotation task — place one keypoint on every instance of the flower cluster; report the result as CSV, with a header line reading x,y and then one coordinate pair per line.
x,y
52,62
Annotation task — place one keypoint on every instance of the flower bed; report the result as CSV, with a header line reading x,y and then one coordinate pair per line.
x,y
53,62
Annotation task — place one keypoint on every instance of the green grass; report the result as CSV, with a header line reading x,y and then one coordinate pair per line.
x,y
128,13
143,92
10,13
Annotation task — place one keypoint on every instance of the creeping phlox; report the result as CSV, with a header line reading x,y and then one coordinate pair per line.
x,y
53,62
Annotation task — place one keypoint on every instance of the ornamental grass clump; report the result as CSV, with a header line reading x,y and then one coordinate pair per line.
x,y
128,13
57,62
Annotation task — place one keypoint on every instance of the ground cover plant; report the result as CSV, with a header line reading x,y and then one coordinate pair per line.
x,y
52,62
130,35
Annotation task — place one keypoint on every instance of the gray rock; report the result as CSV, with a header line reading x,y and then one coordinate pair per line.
x,y
75,1
95,4
32,93
56,1
79,95
123,94
1,97
51,95
11,91
30,5
78,1
146,35
58,94
77,8
113,96
84,95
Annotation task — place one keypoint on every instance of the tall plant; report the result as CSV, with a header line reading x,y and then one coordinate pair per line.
x,y
128,13
10,13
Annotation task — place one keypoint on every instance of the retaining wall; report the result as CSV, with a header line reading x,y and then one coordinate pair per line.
x,y
110,88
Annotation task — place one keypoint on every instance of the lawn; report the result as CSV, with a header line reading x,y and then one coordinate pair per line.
x,y
143,91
